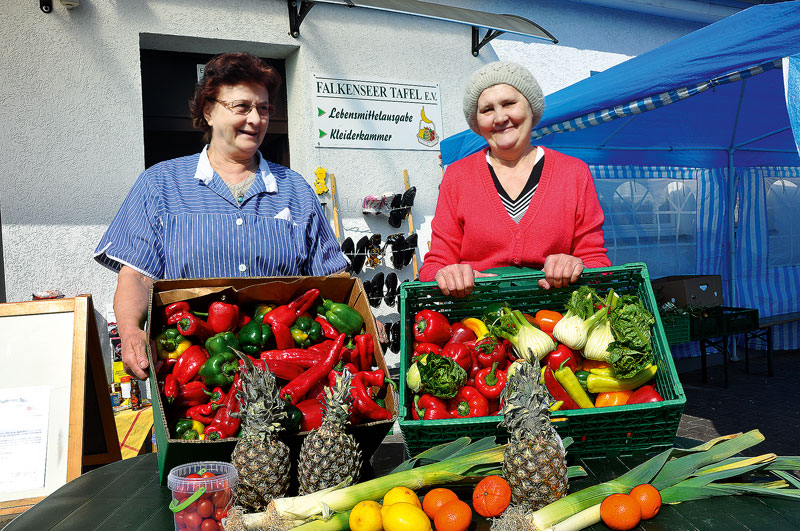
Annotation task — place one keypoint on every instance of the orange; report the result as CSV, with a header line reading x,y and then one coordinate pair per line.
x,y
491,496
453,516
434,500
620,512
648,498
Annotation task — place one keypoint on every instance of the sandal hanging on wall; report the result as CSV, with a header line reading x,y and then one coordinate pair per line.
x,y
361,254
401,205
349,251
391,289
375,293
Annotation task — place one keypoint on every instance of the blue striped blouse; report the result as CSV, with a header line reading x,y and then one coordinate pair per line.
x,y
181,221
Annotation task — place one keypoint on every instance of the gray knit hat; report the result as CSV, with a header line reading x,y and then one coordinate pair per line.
x,y
502,72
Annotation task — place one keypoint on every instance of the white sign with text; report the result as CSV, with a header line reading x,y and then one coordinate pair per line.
x,y
360,114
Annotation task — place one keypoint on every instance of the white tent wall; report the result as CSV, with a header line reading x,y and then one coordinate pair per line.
x,y
72,141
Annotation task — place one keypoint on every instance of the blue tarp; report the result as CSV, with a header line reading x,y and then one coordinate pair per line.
x,y
696,131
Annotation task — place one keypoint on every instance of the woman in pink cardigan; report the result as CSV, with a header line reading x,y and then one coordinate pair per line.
x,y
512,204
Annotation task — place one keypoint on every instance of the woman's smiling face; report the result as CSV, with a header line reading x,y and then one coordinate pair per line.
x,y
505,120
234,134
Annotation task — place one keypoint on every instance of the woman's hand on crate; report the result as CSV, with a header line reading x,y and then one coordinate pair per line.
x,y
561,270
458,279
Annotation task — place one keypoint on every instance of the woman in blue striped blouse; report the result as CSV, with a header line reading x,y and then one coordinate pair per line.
x,y
224,212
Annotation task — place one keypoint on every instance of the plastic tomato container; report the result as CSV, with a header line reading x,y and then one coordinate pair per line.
x,y
202,503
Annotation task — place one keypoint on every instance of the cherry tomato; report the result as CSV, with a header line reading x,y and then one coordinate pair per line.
x,y
208,475
205,508
180,496
193,476
221,498
547,319
179,520
220,513
193,520
209,524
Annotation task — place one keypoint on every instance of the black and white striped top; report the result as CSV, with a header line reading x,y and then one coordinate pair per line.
x,y
516,208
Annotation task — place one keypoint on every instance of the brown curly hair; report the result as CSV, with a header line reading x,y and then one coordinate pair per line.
x,y
230,69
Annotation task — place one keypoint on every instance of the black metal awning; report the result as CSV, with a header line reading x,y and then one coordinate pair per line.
x,y
495,24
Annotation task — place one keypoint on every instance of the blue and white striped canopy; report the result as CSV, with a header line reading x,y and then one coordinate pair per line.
x,y
725,81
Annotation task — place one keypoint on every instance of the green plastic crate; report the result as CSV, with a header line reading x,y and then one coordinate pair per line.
x,y
612,431
676,328
706,323
738,320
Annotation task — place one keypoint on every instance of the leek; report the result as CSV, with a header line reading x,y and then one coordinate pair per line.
x,y
529,342
679,474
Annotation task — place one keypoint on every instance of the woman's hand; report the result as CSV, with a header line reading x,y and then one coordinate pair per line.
x,y
134,353
458,279
561,270
130,308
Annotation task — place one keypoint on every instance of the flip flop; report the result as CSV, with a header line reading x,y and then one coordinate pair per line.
x,y
391,289
361,254
401,208
349,251
375,293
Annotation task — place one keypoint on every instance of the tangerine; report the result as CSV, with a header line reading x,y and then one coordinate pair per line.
x,y
434,500
620,512
453,516
491,496
648,498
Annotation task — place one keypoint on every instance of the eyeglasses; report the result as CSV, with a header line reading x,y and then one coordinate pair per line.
x,y
243,107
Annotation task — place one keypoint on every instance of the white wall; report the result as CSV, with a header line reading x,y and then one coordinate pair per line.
x,y
71,104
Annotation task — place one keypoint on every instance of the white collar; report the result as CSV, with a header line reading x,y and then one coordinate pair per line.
x,y
205,172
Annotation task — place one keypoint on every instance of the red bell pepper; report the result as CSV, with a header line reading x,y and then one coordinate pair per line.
x,y
428,407
327,328
295,390
468,402
191,325
557,391
431,326
490,382
489,350
191,394
288,313
222,317
175,307
243,320
170,388
365,348
561,355
164,367
224,425
460,353
312,414
645,395
203,413
461,333
376,378
301,357
426,348
189,363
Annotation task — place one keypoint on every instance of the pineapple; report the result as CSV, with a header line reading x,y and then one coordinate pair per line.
x,y
534,462
329,456
261,459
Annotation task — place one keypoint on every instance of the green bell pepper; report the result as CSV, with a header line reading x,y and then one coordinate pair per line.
x,y
294,418
253,337
219,369
182,426
222,342
261,311
306,331
345,319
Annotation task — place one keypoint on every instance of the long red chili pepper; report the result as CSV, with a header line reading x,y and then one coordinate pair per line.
x,y
365,349
191,394
203,413
283,336
301,357
224,425
297,388
217,397
170,388
364,404
327,328
288,313
175,307
557,391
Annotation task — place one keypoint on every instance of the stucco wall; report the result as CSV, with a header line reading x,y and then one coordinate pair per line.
x,y
71,105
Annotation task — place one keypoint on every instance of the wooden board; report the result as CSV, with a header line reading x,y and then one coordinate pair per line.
x,y
53,346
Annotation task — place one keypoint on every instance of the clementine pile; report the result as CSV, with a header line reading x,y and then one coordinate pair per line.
x,y
648,498
453,516
435,498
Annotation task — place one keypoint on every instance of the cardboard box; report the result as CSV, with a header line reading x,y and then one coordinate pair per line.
x,y
689,290
246,292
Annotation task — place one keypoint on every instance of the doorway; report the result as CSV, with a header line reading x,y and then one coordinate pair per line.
x,y
168,83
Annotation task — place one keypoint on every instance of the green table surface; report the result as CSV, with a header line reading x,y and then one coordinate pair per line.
x,y
127,495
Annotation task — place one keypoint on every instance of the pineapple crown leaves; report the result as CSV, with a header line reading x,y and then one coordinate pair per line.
x,y
337,400
526,400
261,406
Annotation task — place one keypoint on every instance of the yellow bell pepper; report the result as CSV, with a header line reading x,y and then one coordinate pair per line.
x,y
477,326
170,344
199,427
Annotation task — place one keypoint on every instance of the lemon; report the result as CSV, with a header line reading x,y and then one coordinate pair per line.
x,y
403,516
401,494
366,516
